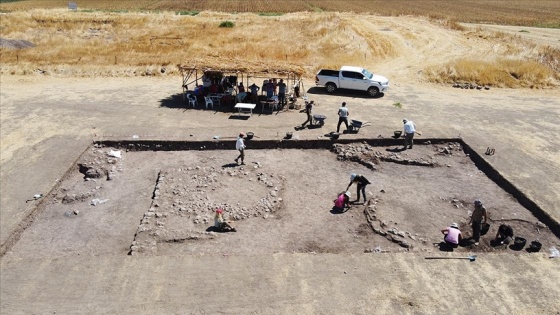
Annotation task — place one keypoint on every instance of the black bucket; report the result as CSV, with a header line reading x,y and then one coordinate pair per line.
x,y
535,246
397,134
289,135
519,243
250,135
484,229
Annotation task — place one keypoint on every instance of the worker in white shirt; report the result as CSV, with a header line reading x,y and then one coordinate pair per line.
x,y
240,146
409,130
342,116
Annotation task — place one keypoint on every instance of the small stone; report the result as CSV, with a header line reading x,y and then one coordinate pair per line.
x,y
76,212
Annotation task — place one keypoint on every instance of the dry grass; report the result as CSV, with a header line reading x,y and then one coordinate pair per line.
x,y
498,73
543,13
86,44
526,64
101,43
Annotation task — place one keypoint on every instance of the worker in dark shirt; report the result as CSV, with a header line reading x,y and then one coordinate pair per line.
x,y
504,235
308,110
361,183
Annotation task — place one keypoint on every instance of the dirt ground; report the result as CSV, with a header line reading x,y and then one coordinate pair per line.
x,y
280,202
301,259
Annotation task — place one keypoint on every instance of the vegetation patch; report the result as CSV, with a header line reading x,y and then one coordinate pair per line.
x,y
228,24
190,13
271,14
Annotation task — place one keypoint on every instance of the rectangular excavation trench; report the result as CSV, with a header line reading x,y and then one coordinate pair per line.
x,y
265,212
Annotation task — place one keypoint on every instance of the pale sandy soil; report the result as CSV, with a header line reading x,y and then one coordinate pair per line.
x,y
46,123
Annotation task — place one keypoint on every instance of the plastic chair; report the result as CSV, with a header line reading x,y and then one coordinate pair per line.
x,y
208,101
192,100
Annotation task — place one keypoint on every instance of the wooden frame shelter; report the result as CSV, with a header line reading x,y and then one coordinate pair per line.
x,y
192,76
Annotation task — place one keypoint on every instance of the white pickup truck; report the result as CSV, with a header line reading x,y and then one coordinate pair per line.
x,y
352,78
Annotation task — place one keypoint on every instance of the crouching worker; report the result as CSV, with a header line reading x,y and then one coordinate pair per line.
x,y
220,224
452,236
504,235
342,202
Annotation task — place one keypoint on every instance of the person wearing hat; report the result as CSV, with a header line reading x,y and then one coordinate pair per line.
x,y
342,202
220,224
476,220
342,116
409,131
240,146
361,183
452,236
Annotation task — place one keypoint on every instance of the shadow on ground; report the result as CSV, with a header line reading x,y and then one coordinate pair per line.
x,y
316,90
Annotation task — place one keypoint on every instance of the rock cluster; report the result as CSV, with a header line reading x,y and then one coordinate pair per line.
x,y
382,228
369,157
470,86
361,153
184,197
100,164
449,148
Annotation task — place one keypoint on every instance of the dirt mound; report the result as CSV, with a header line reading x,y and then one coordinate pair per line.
x,y
15,43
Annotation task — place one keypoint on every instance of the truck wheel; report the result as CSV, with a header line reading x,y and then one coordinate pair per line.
x,y
372,91
330,87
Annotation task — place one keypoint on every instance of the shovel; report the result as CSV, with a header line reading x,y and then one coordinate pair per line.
x,y
471,258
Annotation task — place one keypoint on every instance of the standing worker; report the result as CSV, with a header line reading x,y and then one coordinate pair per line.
x,y
254,93
361,183
476,220
240,146
409,130
270,88
282,93
342,116
308,110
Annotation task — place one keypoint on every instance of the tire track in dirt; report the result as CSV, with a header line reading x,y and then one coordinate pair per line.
x,y
415,42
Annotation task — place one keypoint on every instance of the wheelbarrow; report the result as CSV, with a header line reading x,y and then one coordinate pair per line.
x,y
355,125
319,120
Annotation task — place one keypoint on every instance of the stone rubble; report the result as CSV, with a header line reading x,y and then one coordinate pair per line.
x,y
369,157
182,196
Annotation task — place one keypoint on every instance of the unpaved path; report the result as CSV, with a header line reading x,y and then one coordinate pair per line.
x,y
543,36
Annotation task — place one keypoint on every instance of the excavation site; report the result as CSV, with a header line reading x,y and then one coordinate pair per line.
x,y
160,198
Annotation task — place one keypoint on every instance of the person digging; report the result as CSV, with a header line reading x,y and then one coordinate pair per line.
x,y
220,224
504,235
452,236
342,202
361,183
409,130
